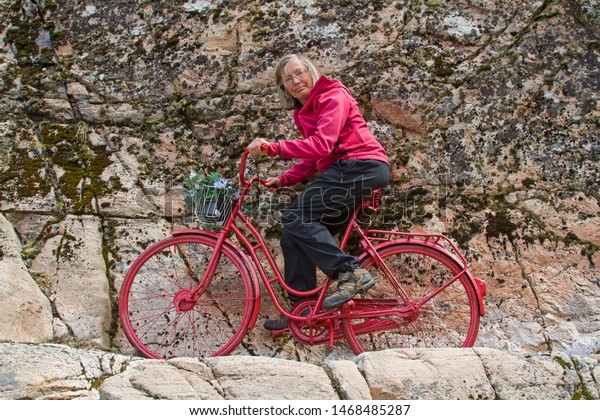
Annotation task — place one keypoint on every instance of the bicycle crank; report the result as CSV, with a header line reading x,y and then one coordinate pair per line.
x,y
311,331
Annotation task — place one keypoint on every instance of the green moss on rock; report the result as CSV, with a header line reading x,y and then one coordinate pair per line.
x,y
500,224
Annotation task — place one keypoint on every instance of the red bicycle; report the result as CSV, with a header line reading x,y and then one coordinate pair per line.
x,y
197,293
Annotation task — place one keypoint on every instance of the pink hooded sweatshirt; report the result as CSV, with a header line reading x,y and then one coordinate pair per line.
x,y
333,129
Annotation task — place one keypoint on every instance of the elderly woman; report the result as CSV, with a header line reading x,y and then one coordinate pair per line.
x,y
338,144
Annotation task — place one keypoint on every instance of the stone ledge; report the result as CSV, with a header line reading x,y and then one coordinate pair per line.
x,y
49,371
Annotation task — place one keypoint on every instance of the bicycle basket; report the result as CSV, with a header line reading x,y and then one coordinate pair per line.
x,y
211,206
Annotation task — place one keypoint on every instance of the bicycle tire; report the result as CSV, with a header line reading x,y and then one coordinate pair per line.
x,y
449,319
153,311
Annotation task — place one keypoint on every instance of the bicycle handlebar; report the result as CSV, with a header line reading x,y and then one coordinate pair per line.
x,y
243,181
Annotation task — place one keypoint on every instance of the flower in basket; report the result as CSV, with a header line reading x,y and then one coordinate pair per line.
x,y
196,181
206,193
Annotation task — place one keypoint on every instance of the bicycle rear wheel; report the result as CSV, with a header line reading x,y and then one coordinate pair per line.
x,y
448,319
159,314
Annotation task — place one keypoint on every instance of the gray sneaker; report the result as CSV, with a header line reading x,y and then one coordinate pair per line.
x,y
350,284
280,323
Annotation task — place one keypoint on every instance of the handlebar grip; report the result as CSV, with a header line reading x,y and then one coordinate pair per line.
x,y
243,181
243,167
264,146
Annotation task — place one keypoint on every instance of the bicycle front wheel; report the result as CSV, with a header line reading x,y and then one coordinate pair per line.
x,y
449,318
159,313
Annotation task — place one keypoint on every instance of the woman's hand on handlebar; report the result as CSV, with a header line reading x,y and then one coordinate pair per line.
x,y
272,183
258,147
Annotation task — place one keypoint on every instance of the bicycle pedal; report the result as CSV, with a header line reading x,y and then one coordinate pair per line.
x,y
277,333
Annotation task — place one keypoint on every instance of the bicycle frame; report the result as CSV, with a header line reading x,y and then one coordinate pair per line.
x,y
230,227
369,241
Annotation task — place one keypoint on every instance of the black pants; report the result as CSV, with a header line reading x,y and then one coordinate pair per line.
x,y
320,211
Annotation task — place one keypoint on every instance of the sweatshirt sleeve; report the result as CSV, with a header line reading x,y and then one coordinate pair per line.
x,y
332,115
298,172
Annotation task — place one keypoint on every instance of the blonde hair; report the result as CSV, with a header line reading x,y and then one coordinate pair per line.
x,y
286,100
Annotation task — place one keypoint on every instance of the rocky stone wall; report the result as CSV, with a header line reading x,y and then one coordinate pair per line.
x,y
58,372
488,110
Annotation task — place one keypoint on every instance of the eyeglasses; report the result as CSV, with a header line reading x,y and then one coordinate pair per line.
x,y
298,75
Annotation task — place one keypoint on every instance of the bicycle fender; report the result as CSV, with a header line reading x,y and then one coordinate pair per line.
x,y
479,285
245,260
